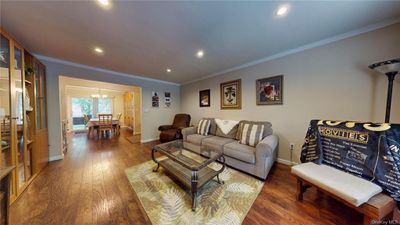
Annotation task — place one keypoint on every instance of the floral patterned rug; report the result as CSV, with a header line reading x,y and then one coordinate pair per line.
x,y
167,202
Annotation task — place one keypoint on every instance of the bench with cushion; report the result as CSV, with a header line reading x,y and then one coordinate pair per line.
x,y
362,195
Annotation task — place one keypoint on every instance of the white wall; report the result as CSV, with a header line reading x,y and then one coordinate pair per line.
x,y
328,82
151,117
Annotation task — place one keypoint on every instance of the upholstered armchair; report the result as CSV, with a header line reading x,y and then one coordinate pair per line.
x,y
173,132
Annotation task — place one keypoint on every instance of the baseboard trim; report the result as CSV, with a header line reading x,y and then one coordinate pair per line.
x,y
286,162
56,157
148,140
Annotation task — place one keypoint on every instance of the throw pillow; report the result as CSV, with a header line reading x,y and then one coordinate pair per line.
x,y
213,126
267,128
252,134
226,128
203,127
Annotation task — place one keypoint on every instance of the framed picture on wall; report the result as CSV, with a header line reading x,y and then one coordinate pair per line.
x,y
155,99
269,91
231,96
167,99
204,98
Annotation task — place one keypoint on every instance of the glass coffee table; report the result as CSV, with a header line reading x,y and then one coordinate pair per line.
x,y
192,173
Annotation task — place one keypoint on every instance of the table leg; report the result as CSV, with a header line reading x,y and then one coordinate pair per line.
x,y
194,181
153,151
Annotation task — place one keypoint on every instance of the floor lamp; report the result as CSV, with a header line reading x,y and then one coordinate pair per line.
x,y
390,68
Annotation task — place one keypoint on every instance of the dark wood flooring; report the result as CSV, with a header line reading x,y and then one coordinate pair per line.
x,y
89,187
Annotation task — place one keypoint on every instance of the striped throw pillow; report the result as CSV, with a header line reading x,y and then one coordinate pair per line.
x,y
251,134
203,127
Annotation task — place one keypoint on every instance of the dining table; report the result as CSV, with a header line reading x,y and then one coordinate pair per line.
x,y
93,122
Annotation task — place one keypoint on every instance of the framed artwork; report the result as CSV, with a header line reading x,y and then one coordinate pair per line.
x,y
204,98
231,96
155,99
167,99
269,90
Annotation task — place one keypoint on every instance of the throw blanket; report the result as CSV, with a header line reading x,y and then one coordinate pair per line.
x,y
226,125
367,150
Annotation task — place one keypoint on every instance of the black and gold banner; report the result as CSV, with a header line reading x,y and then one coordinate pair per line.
x,y
367,150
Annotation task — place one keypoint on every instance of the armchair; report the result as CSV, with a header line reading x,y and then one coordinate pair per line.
x,y
173,132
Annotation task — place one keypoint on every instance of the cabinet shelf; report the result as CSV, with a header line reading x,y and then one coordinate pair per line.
x,y
28,82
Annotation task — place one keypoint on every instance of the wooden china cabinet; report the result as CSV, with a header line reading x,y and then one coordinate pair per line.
x,y
23,129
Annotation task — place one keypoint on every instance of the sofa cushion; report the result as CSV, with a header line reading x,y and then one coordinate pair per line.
x,y
240,152
267,128
215,143
350,188
196,138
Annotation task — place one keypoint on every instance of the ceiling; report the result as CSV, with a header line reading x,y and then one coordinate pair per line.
x,y
145,37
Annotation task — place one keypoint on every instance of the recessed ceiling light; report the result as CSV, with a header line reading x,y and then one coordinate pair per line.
x,y
282,10
98,50
104,3
168,70
200,54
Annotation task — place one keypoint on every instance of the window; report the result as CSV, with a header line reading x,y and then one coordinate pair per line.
x,y
89,106
80,106
104,105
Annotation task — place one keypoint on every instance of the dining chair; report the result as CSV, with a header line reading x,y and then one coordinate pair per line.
x,y
105,124
117,126
85,119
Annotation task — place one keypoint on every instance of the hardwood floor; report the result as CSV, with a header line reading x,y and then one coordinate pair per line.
x,y
89,187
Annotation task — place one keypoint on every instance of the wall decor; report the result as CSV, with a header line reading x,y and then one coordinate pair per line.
x,y
167,99
231,96
155,99
269,90
204,98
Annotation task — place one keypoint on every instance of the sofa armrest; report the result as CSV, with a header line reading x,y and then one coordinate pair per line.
x,y
188,131
164,127
267,147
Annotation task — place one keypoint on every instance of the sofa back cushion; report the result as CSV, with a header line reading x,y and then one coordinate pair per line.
x,y
267,128
181,120
203,127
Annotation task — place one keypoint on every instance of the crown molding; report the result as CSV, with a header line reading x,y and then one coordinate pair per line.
x,y
97,69
302,48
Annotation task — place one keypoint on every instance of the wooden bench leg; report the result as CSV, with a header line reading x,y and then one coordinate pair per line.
x,y
300,190
367,220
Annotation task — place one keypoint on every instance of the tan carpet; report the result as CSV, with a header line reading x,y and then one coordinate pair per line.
x,y
166,202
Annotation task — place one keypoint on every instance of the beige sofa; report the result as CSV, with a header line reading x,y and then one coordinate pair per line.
x,y
256,160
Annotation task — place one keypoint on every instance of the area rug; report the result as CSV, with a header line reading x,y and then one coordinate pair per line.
x,y
167,202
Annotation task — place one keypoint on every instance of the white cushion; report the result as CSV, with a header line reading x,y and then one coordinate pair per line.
x,y
350,188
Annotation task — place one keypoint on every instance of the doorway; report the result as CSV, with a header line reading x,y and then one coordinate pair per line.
x,y
85,98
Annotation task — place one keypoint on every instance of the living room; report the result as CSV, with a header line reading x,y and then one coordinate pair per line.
x,y
242,88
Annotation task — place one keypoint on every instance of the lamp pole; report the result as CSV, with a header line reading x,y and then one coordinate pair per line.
x,y
390,76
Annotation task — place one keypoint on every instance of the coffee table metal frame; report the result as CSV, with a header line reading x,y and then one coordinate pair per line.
x,y
191,173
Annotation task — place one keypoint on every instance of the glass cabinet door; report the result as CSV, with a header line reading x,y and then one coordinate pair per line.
x,y
43,96
19,114
5,118
37,94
